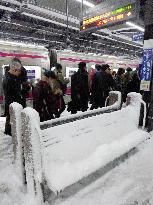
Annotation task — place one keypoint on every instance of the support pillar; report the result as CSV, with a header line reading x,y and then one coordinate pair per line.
x,y
148,44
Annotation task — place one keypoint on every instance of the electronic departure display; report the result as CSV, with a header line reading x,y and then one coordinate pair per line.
x,y
107,19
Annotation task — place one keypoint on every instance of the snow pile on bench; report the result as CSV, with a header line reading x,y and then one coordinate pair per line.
x,y
66,153
77,149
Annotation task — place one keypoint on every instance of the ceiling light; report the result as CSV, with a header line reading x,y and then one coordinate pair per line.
x,y
135,26
87,3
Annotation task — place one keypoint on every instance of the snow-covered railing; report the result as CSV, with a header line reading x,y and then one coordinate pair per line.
x,y
62,155
32,151
15,120
114,103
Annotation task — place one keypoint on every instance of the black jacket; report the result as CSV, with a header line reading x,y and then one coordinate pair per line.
x,y
12,90
43,100
80,90
101,85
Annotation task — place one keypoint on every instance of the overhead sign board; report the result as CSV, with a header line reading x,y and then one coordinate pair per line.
x,y
117,15
138,37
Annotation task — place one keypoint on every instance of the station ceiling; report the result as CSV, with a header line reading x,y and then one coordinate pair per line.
x,y
45,22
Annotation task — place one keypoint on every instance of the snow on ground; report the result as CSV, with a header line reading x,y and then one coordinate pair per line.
x,y
130,183
11,190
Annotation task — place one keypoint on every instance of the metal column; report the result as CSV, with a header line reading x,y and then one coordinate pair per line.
x,y
67,22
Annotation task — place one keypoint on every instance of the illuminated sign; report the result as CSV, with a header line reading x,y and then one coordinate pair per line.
x,y
108,18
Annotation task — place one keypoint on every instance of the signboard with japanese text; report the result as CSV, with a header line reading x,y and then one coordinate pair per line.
x,y
118,15
138,37
31,74
146,69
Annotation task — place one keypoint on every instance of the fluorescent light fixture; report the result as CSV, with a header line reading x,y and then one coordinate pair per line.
x,y
87,3
135,26
13,43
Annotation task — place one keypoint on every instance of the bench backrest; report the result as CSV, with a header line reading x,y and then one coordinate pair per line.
x,y
114,103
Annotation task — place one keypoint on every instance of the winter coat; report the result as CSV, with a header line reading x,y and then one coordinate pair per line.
x,y
62,82
101,85
135,82
91,75
55,86
80,90
43,100
12,90
119,81
25,86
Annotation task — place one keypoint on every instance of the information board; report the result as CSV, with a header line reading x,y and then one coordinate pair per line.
x,y
118,15
31,74
145,70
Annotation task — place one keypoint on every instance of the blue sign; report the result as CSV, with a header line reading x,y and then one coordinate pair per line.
x,y
146,67
30,74
138,37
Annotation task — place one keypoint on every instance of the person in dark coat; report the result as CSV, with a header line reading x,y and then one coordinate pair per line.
x,y
127,81
101,86
25,85
135,81
43,99
63,84
79,90
119,82
12,91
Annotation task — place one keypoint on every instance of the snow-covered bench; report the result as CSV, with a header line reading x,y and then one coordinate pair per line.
x,y
62,155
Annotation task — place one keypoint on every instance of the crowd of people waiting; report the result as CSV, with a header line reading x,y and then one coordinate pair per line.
x,y
48,101
94,87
